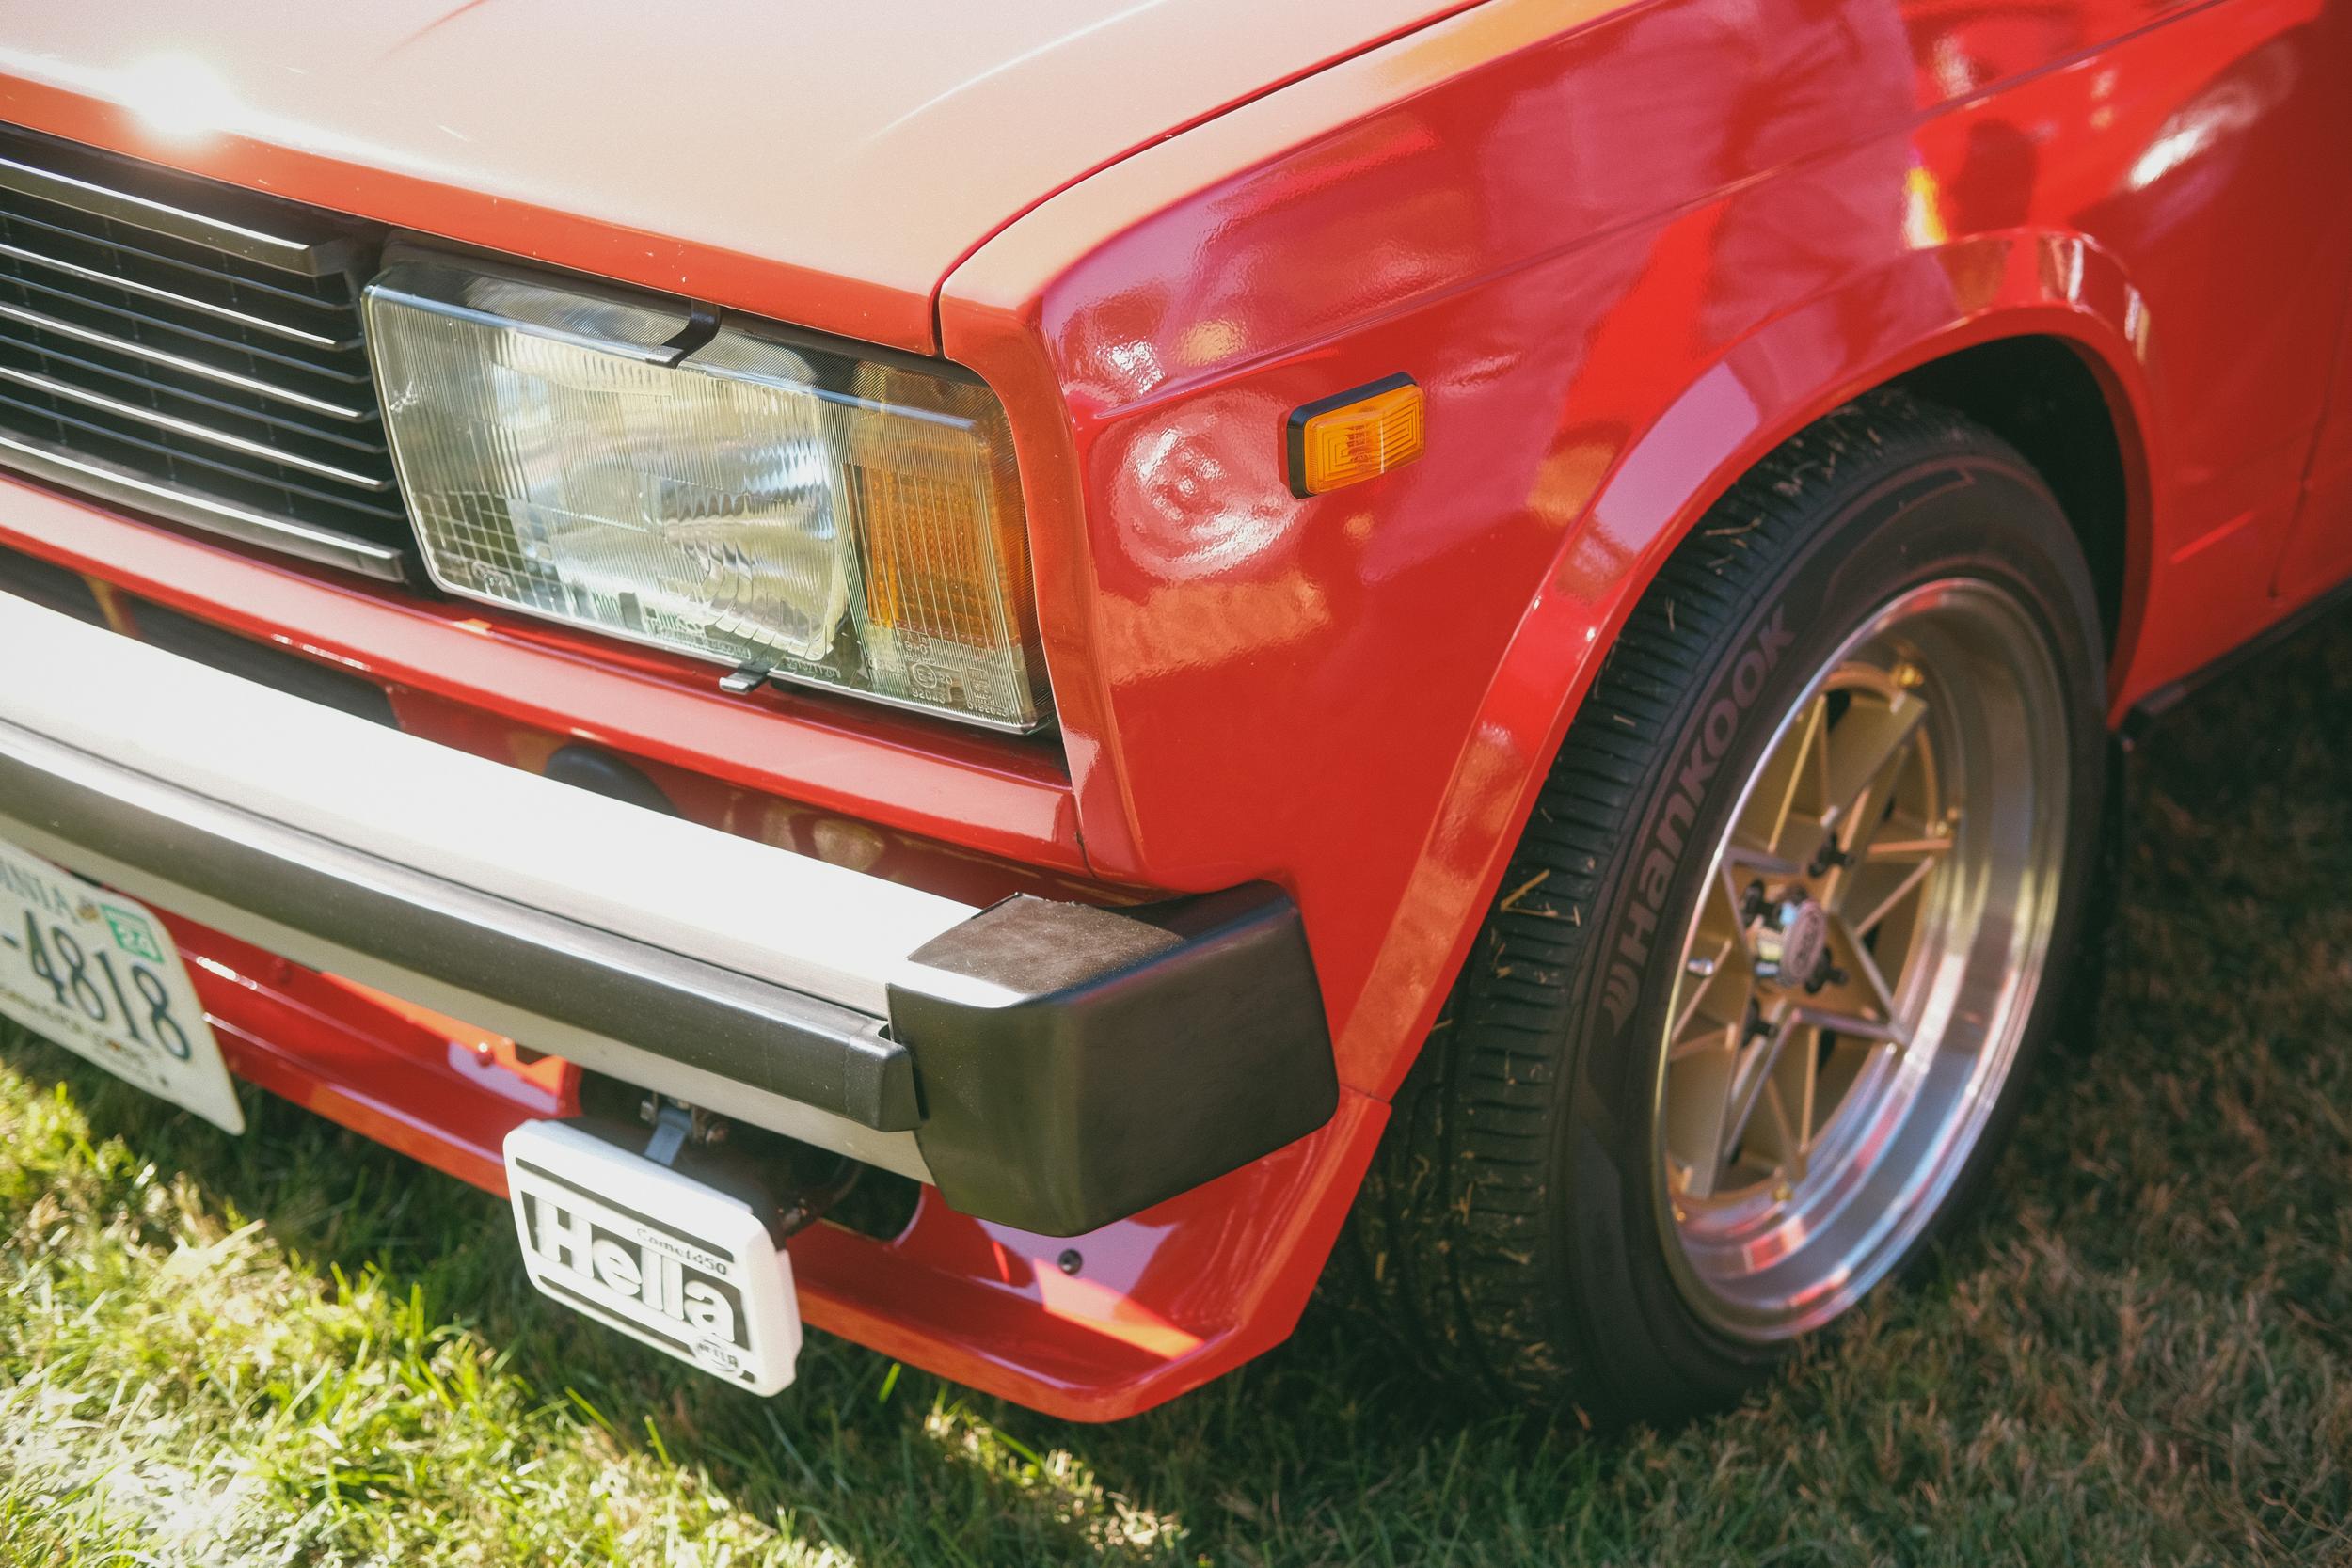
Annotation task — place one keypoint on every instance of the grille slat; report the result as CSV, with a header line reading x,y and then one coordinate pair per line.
x,y
350,411
243,319
353,435
239,225
166,426
138,324
154,262
130,446
194,349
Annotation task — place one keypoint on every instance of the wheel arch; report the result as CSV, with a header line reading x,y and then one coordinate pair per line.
x,y
2043,395
2060,361
2047,343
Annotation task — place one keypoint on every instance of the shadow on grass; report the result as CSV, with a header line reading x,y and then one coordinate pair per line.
x,y
2140,1355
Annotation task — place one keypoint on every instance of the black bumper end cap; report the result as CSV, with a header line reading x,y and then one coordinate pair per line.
x,y
1078,1065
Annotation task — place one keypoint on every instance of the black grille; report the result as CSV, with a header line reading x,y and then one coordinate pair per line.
x,y
191,350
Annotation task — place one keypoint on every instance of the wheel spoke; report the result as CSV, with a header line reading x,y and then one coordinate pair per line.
x,y
1919,846
1909,882
1705,1042
1796,1085
1764,820
1805,1100
1695,1112
1864,749
1749,1083
1856,831
1795,1150
1718,972
1862,964
1860,1026
1727,971
1771,867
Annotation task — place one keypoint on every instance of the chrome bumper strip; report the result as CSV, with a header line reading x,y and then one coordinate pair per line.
x,y
546,968
677,957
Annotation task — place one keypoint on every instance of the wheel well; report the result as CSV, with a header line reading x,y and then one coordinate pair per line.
x,y
2040,395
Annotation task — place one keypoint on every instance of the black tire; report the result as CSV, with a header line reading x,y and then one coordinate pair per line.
x,y
1510,1225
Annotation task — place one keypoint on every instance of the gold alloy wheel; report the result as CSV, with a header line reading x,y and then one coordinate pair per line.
x,y
1854,985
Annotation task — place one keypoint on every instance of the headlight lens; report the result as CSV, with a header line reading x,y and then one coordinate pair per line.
x,y
765,500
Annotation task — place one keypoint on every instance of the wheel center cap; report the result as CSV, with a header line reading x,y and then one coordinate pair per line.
x,y
1795,943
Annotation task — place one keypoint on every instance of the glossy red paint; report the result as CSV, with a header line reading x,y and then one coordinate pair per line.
x,y
2320,554
1627,252
431,1087
1627,249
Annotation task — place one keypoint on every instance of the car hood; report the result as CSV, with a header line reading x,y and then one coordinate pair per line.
x,y
877,141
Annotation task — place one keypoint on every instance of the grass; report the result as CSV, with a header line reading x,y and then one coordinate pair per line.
x,y
298,1348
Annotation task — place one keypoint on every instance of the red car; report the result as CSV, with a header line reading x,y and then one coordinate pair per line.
x,y
1024,665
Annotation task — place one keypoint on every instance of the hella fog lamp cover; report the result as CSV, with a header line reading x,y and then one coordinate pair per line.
x,y
755,500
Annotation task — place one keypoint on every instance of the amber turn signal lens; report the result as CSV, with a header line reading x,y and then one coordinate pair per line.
x,y
1357,435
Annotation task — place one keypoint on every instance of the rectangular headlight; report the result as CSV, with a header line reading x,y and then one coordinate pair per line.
x,y
835,515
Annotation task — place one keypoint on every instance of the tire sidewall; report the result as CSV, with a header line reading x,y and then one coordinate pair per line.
x,y
1959,514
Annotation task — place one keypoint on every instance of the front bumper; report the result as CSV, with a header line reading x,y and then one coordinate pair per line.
x,y
1052,1066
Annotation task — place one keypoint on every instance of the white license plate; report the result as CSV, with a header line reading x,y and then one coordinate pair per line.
x,y
99,974
660,1257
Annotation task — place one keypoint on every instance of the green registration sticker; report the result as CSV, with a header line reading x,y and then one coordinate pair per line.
x,y
133,934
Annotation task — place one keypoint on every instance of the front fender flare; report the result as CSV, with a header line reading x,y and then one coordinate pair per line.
x,y
1764,388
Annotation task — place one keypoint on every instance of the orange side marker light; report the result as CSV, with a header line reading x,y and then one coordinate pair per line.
x,y
1359,435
